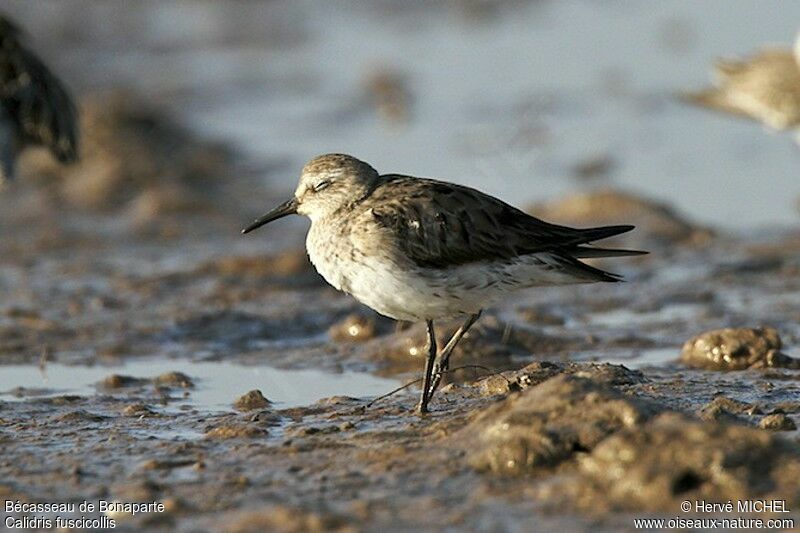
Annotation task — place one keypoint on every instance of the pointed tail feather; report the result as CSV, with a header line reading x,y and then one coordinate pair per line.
x,y
584,252
588,235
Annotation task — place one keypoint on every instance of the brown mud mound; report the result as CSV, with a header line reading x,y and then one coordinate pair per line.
x,y
736,349
672,458
174,379
251,400
235,431
727,409
119,381
540,371
162,383
777,422
655,222
550,423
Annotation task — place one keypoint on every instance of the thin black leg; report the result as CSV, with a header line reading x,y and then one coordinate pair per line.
x,y
443,364
426,381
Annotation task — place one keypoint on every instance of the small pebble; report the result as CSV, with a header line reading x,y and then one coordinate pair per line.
x,y
252,400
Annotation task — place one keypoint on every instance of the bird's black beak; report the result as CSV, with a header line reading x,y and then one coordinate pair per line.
x,y
288,207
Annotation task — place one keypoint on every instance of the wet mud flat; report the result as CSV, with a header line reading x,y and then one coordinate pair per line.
x,y
581,407
575,445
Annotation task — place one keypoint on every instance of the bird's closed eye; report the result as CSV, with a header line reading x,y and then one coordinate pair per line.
x,y
321,185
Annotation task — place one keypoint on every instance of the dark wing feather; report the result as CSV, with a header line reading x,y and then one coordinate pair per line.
x,y
441,224
35,99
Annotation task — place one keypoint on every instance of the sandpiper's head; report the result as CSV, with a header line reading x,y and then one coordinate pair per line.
x,y
331,181
327,183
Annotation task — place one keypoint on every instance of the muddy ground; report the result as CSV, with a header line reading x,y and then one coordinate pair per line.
x,y
582,407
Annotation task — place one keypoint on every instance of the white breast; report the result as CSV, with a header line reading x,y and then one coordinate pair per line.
x,y
375,281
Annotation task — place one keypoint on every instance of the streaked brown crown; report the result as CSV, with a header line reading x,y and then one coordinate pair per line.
x,y
337,165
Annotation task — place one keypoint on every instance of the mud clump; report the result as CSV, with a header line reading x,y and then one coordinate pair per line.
x,y
174,379
235,431
79,416
251,401
655,222
118,381
170,379
498,384
550,423
777,422
540,371
724,408
138,410
134,157
736,349
672,458
601,373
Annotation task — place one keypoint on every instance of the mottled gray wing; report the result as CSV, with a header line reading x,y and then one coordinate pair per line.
x,y
34,98
441,224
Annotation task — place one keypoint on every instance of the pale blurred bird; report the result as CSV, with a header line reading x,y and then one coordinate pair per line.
x,y
417,249
35,107
764,87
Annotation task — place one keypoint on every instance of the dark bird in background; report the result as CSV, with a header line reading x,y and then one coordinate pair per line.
x,y
35,107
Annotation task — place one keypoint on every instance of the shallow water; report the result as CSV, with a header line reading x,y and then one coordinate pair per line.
x,y
629,317
217,385
639,359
